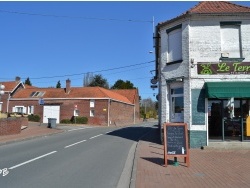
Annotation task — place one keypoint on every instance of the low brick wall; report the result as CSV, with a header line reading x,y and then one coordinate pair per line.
x,y
12,125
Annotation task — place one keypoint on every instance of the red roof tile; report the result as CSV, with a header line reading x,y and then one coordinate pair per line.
x,y
75,92
129,93
10,86
218,7
212,7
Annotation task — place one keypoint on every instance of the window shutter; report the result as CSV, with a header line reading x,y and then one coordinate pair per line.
x,y
24,110
175,45
230,40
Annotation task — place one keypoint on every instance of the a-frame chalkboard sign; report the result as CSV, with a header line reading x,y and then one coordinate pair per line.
x,y
176,141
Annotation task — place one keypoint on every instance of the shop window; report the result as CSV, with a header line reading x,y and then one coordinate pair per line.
x,y
231,39
175,44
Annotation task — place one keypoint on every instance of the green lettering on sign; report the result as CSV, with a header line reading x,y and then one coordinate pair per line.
x,y
208,68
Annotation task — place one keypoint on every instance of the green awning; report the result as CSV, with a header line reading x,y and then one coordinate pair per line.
x,y
227,89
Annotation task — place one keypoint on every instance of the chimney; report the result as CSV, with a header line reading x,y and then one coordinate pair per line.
x,y
68,85
17,79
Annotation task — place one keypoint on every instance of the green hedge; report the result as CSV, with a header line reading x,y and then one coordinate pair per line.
x,y
78,120
66,121
33,117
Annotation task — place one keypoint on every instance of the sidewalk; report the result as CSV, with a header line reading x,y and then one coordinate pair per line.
x,y
208,168
33,130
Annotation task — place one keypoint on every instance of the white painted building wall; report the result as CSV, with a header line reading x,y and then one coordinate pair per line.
x,y
201,41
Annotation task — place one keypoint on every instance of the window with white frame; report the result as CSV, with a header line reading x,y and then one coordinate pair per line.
x,y
19,109
175,44
30,109
177,105
92,103
1,106
231,39
92,113
37,94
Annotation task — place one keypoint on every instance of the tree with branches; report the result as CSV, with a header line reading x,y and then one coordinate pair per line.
x,y
98,80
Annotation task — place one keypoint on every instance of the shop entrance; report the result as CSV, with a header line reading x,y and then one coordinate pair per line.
x,y
228,119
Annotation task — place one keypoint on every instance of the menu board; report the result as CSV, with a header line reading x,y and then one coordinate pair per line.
x,y
176,141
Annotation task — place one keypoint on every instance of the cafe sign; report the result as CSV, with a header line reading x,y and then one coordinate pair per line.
x,y
207,68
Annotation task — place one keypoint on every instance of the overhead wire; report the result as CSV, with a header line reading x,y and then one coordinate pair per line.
x,y
103,75
104,70
86,18
73,17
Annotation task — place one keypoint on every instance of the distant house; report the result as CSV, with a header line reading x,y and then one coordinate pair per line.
x,y
101,106
10,89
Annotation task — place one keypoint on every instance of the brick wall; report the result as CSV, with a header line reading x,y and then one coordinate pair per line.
x,y
121,113
12,125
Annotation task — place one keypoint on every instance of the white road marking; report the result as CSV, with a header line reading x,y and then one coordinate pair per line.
x,y
74,144
77,129
95,136
109,132
31,160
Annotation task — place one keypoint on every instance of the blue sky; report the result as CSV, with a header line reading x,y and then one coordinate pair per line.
x,y
52,41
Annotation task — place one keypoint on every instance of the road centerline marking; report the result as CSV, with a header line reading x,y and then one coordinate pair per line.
x,y
74,144
31,160
96,136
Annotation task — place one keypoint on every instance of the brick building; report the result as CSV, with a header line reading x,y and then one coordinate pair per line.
x,y
101,106
203,68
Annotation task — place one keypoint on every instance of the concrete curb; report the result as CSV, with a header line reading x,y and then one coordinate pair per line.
x,y
125,178
133,175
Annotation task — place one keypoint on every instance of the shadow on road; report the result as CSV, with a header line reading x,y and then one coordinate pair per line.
x,y
150,134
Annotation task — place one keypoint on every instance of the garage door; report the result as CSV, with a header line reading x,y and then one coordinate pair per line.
x,y
51,112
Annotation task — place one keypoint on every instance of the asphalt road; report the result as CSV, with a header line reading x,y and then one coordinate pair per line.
x,y
87,158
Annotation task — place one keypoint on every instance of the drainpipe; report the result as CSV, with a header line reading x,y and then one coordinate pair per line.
x,y
108,111
134,114
8,103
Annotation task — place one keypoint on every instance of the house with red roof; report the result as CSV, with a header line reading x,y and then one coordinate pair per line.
x,y
10,88
101,106
203,72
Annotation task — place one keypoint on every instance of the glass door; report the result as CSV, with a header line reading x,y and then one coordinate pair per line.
x,y
215,119
177,105
232,119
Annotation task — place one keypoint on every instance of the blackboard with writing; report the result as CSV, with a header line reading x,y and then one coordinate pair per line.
x,y
198,106
176,140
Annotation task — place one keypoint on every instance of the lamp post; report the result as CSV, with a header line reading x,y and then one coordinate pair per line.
x,y
2,87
